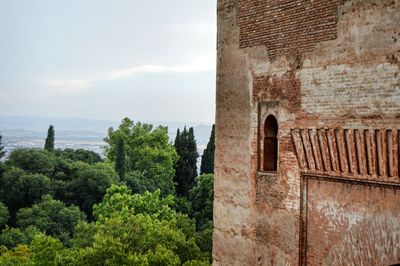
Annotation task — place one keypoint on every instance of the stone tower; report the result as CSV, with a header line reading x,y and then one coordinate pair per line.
x,y
307,133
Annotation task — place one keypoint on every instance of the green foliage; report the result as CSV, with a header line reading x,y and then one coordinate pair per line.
x,y
120,200
139,183
45,249
2,169
20,189
81,155
148,154
182,205
49,143
73,182
63,169
142,234
178,143
107,249
162,256
151,228
11,237
192,152
120,158
207,159
59,165
4,215
83,235
185,167
51,217
89,184
204,238
32,160
164,224
202,196
2,152
196,263
131,229
20,255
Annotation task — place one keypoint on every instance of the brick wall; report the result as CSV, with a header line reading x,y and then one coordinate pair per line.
x,y
338,90
313,64
287,26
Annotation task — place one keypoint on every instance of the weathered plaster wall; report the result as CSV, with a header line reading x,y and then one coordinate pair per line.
x,y
356,222
312,64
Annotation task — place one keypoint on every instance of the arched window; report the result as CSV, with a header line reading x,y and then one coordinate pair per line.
x,y
270,144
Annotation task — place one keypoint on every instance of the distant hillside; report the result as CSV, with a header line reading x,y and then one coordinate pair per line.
x,y
20,131
61,124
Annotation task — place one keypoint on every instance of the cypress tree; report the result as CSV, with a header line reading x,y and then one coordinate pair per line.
x,y
185,168
180,163
120,166
2,153
192,155
207,159
177,142
49,144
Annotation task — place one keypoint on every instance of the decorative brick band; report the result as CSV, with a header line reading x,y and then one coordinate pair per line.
x,y
360,153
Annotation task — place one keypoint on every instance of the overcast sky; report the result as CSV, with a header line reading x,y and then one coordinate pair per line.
x,y
103,59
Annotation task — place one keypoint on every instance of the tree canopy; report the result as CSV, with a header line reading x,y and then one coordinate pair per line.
x,y
20,189
4,215
186,166
201,197
207,159
81,155
49,143
71,207
2,152
89,184
32,173
11,237
51,217
120,158
36,161
129,230
150,158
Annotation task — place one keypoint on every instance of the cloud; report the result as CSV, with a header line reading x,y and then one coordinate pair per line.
x,y
201,63
68,86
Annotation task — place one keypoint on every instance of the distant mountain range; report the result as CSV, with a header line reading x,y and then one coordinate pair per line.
x,y
22,131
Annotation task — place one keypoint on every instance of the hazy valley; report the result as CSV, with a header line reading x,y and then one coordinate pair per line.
x,y
78,133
